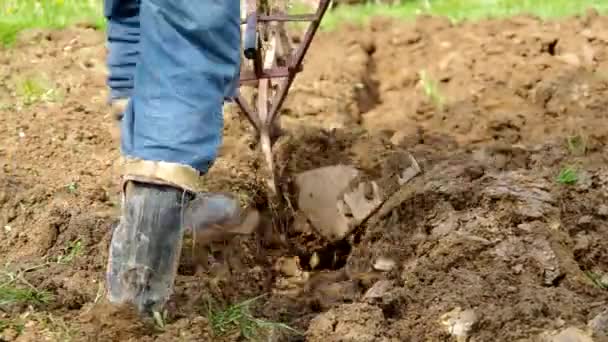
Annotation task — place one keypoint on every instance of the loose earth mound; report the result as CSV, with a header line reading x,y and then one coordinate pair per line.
x,y
503,237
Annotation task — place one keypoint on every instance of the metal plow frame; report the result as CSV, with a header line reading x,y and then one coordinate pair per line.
x,y
273,66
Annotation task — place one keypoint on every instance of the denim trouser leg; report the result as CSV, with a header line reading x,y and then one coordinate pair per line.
x,y
123,39
189,54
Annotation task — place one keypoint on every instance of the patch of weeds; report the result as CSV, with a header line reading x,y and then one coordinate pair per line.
x,y
11,294
577,145
458,10
567,176
72,187
238,318
15,289
431,89
33,90
18,15
70,252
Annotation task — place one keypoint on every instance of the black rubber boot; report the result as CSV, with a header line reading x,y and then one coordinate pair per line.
x,y
146,246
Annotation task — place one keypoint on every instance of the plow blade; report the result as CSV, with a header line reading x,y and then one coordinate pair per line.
x,y
336,200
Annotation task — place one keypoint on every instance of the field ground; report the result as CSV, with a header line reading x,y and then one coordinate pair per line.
x,y
503,238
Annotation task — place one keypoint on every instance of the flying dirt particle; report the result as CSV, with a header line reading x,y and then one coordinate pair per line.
x,y
459,323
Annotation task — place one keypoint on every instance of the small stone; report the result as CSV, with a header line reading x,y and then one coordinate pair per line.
x,y
378,290
517,269
581,242
585,220
290,267
570,58
384,264
602,210
459,323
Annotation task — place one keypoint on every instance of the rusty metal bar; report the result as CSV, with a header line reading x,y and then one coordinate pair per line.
x,y
277,72
299,57
288,18
249,112
285,18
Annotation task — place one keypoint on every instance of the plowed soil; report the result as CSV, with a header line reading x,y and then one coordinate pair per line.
x,y
504,237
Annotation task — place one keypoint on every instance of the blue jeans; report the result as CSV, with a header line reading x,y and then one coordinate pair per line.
x,y
177,61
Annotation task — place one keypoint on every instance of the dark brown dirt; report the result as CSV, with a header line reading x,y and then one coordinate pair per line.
x,y
486,229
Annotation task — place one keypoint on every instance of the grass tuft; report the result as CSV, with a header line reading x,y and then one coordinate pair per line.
x,y
33,90
567,176
431,89
238,318
10,294
18,15
15,289
70,252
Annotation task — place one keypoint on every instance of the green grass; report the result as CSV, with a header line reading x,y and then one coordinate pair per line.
x,y
15,289
458,10
567,176
33,90
11,294
17,15
238,318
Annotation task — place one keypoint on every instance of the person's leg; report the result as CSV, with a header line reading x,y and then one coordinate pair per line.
x,y
189,54
122,42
